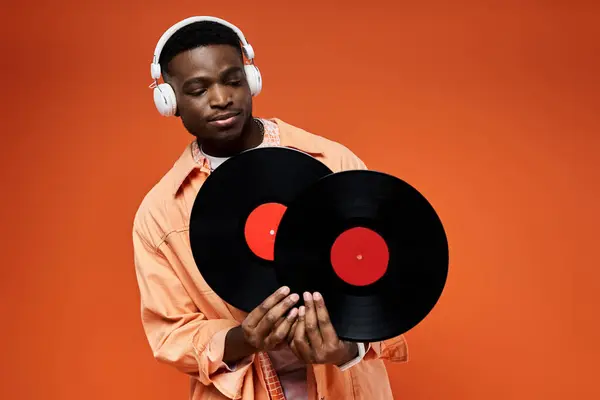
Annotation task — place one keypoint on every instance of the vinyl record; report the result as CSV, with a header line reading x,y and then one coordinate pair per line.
x,y
234,220
372,245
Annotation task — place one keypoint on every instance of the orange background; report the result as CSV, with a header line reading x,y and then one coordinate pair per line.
x,y
491,110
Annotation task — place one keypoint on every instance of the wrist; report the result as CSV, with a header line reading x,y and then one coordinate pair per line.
x,y
236,346
241,339
351,352
354,357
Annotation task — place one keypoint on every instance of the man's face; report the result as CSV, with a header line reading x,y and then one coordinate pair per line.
x,y
213,97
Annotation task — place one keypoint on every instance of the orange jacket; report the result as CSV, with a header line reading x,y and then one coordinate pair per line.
x,y
186,322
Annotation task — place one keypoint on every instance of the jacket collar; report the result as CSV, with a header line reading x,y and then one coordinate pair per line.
x,y
290,136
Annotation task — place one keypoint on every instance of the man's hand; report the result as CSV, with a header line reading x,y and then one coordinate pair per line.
x,y
267,325
264,328
313,338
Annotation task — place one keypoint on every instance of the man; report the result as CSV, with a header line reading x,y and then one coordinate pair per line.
x,y
278,349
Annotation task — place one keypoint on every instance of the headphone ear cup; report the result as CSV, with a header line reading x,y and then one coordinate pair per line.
x,y
165,100
254,79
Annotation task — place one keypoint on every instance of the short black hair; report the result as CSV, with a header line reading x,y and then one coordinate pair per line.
x,y
197,34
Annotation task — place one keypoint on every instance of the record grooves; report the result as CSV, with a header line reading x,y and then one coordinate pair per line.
x,y
373,224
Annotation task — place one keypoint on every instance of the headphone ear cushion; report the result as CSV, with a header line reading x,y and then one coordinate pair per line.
x,y
165,100
254,79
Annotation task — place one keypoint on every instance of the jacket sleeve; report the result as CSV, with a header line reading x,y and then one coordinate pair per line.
x,y
179,334
394,350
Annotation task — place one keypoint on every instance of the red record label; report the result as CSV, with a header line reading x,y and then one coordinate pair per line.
x,y
359,256
261,229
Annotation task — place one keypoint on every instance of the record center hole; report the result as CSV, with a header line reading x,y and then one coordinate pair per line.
x,y
261,229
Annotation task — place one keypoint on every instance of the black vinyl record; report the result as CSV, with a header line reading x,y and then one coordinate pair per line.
x,y
234,220
372,245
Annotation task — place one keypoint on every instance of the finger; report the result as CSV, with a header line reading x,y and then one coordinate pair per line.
x,y
281,332
299,332
267,323
325,326
256,315
290,336
310,322
280,320
301,346
294,350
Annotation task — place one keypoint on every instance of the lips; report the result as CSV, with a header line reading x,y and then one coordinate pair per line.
x,y
225,120
224,116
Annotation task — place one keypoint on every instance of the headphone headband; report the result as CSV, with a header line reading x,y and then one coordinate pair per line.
x,y
155,66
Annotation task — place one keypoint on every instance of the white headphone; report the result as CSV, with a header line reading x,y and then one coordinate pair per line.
x,y
164,95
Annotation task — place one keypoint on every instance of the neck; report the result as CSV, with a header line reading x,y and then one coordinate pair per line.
x,y
250,137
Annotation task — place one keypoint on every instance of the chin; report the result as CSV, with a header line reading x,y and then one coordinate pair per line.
x,y
231,134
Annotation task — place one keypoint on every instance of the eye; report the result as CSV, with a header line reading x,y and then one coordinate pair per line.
x,y
198,92
235,82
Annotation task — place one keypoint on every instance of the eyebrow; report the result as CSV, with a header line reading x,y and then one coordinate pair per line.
x,y
201,79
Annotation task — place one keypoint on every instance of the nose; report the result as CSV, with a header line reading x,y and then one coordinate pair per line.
x,y
220,97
